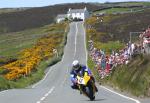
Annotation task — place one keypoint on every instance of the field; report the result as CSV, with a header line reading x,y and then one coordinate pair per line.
x,y
119,10
11,43
9,10
121,7
118,27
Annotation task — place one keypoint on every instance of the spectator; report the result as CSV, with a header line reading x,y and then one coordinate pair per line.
x,y
132,48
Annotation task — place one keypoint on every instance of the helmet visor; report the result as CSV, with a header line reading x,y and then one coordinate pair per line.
x,y
76,67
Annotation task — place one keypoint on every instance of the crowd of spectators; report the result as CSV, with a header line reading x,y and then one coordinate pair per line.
x,y
104,63
146,32
145,37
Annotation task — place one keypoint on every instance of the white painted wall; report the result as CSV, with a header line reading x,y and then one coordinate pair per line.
x,y
60,19
83,16
78,15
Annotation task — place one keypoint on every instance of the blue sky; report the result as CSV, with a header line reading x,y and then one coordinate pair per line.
x,y
37,3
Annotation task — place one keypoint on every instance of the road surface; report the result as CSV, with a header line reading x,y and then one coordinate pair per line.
x,y
55,86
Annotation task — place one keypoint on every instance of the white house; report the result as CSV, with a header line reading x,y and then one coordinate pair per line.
x,y
74,14
61,18
78,13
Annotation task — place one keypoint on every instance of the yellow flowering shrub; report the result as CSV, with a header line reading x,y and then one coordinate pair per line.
x,y
31,57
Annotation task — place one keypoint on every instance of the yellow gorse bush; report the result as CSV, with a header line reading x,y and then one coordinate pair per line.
x,y
31,57
91,21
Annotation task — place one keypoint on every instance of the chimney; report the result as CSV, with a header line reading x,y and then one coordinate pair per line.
x,y
85,9
69,9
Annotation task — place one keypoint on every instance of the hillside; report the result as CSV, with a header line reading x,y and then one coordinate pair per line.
x,y
36,17
16,20
9,10
33,54
134,77
111,32
118,27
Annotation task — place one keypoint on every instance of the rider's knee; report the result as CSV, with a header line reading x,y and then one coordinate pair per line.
x,y
93,79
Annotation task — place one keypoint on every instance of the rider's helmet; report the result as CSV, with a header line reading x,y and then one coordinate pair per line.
x,y
75,65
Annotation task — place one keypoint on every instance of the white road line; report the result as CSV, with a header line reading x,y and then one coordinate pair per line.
x,y
4,91
129,98
49,92
76,40
42,98
137,101
46,94
42,79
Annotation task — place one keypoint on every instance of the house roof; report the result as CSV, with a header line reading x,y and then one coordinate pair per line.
x,y
61,16
76,11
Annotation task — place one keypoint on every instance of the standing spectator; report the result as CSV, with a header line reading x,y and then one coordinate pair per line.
x,y
110,62
103,66
132,48
107,66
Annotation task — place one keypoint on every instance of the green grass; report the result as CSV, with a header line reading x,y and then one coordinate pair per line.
x,y
124,7
91,65
31,79
146,3
133,78
9,10
38,73
119,10
12,43
135,3
113,10
109,46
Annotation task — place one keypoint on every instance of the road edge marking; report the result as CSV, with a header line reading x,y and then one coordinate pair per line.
x,y
129,98
42,79
76,40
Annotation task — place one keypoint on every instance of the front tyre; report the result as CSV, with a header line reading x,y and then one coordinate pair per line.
x,y
91,91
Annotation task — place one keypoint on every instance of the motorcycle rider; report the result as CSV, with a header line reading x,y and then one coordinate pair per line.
x,y
79,69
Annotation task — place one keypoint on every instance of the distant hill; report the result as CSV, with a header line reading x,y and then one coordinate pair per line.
x,y
18,20
9,10
36,17
118,27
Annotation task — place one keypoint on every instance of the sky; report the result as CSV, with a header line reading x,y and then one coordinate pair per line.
x,y
39,3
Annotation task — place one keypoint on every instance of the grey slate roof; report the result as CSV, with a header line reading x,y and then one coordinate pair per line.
x,y
76,11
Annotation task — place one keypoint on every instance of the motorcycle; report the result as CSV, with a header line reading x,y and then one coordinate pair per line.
x,y
86,86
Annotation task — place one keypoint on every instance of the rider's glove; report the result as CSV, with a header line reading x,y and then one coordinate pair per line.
x,y
75,81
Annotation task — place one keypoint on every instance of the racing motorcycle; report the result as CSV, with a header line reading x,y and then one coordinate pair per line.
x,y
86,86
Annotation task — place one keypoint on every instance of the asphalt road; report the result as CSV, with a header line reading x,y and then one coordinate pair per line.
x,y
55,86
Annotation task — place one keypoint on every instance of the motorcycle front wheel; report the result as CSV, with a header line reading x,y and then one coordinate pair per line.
x,y
90,91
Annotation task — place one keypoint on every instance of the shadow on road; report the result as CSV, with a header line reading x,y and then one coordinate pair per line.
x,y
96,100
